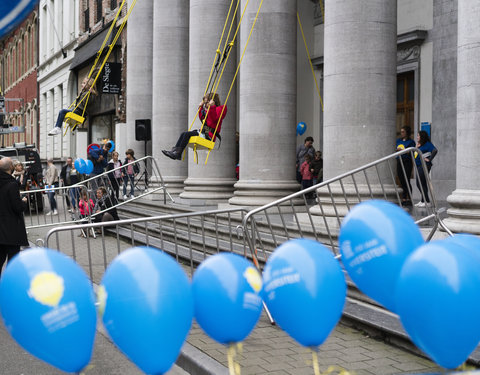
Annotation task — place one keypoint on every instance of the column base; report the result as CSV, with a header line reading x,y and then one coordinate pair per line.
x,y
464,214
215,189
259,193
174,184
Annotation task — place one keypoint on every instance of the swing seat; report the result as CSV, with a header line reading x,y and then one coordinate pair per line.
x,y
200,143
72,120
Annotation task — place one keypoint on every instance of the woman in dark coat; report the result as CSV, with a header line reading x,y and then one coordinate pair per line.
x,y
12,225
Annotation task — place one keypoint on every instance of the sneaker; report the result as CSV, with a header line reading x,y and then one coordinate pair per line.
x,y
420,204
48,213
55,131
55,212
132,196
125,197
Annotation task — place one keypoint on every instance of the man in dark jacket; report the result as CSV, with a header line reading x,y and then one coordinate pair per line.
x,y
12,225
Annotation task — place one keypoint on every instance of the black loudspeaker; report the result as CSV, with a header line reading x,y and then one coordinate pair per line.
x,y
143,130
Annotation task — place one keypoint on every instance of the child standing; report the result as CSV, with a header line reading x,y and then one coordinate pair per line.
x,y
129,173
316,167
306,172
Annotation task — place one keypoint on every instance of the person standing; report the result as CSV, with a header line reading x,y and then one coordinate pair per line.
x,y
51,177
65,179
316,167
403,143
19,175
12,225
115,176
130,171
302,150
429,151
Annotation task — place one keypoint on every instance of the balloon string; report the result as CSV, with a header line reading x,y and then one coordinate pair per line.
x,y
233,366
316,367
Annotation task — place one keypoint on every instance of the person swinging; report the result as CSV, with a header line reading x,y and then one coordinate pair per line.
x,y
88,85
215,113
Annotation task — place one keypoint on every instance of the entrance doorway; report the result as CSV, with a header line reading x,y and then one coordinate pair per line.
x,y
405,101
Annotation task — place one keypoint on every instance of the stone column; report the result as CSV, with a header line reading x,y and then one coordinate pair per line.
x,y
268,85
464,214
139,71
170,86
215,180
359,86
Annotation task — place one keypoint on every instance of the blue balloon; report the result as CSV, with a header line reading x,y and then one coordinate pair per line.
x,y
147,305
112,146
438,302
375,239
80,165
301,128
226,292
88,166
13,12
305,290
466,240
48,306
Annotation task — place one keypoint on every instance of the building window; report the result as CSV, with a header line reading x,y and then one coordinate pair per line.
x,y
99,11
113,4
405,101
86,16
319,12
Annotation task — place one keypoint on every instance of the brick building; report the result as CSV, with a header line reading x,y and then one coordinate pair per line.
x,y
18,79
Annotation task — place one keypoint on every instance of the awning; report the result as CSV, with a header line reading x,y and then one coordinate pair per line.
x,y
88,50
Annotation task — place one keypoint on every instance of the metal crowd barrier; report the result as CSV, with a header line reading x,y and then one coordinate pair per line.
x,y
314,213
317,212
189,237
39,214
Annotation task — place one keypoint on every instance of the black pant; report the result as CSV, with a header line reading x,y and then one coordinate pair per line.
x,y
183,139
405,177
422,184
7,252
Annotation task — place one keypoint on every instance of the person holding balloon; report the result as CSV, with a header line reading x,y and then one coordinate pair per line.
x,y
98,156
429,151
51,177
302,150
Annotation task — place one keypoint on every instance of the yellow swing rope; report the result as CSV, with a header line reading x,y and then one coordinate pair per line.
x,y
217,53
110,48
238,67
308,56
239,63
99,54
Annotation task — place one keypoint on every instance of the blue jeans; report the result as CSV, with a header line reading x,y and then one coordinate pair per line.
x,y
74,194
130,177
61,117
53,202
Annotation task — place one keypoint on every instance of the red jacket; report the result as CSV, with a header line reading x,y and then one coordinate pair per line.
x,y
212,119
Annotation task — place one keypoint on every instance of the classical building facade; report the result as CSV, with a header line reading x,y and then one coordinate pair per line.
x,y
380,65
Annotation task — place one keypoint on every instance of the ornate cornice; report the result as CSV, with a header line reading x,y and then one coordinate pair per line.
x,y
408,53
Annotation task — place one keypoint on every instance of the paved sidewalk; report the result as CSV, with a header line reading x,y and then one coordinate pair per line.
x,y
106,360
268,350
